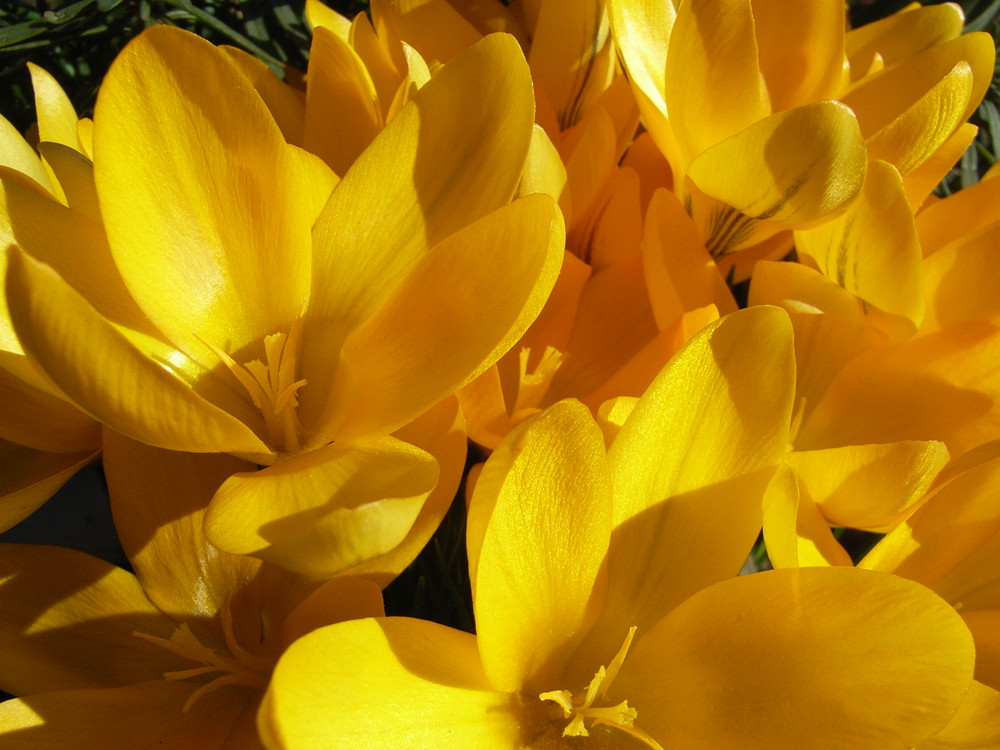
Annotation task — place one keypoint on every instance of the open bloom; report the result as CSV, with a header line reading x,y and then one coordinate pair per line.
x,y
606,611
177,654
251,304
768,112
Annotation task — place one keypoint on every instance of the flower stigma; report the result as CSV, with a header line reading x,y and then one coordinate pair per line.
x,y
579,707
272,385
239,668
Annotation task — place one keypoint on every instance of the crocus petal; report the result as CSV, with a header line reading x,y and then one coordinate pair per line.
x,y
961,567
75,173
441,432
544,495
868,486
902,35
105,372
976,724
321,512
642,30
406,193
571,57
37,419
872,250
30,477
909,139
144,715
801,51
940,386
67,621
792,167
207,213
433,27
461,306
602,340
680,274
544,171
21,158
795,532
957,279
588,168
923,179
318,14
73,244
888,663
385,684
342,598
713,48
691,464
158,499
962,214
56,116
984,625
342,112
285,103
880,100
617,228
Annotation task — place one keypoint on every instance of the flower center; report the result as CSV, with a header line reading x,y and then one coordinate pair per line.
x,y
579,707
272,385
239,668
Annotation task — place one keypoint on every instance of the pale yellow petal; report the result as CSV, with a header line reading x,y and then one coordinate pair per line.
x,y
792,167
342,109
462,305
322,512
67,621
800,659
383,684
135,394
208,212
541,518
872,250
691,464
713,48
868,486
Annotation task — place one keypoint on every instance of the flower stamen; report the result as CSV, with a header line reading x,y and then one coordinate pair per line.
x,y
246,669
580,709
272,385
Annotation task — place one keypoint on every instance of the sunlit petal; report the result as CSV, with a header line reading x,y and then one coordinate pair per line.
x,y
207,212
98,366
66,622
461,306
544,495
792,167
322,512
888,663
383,684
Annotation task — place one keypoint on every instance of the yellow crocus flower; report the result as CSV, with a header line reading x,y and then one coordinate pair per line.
x,y
177,653
606,611
253,305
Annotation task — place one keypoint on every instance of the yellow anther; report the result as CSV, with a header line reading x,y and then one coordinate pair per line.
x,y
245,669
580,708
272,386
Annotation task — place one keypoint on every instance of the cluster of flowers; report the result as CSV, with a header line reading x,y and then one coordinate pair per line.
x,y
279,309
